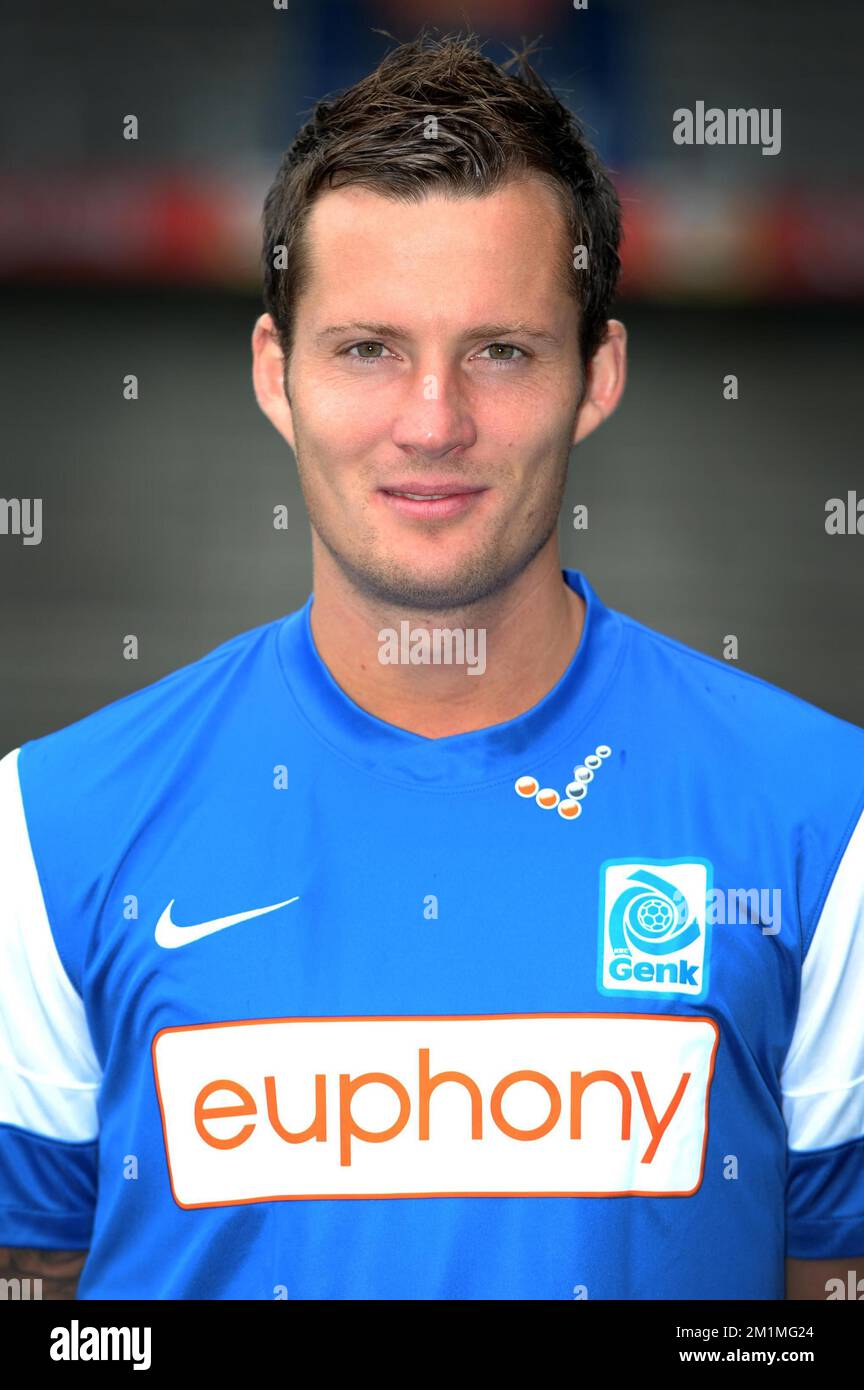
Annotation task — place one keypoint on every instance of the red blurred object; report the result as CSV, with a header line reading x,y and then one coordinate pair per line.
x,y
107,225
680,239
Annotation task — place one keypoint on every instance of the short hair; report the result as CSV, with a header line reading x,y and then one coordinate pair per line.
x,y
493,126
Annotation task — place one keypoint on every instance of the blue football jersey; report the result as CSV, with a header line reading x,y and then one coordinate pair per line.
x,y
299,1004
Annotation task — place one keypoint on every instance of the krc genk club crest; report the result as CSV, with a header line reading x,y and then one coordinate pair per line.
x,y
654,932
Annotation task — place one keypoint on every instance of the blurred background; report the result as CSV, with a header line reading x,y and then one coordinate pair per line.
x,y
706,516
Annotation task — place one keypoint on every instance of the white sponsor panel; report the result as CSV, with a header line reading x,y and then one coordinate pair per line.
x,y
481,1105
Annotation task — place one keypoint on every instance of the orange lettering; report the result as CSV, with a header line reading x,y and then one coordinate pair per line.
x,y
347,1128
579,1085
427,1086
220,1112
318,1127
657,1130
554,1106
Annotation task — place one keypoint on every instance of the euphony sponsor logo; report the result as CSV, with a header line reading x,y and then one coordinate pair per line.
x,y
536,1104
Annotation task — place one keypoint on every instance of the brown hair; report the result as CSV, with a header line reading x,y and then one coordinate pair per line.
x,y
492,127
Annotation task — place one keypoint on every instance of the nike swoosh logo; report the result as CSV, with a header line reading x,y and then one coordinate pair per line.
x,y
169,935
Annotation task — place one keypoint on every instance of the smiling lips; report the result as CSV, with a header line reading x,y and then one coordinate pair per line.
x,y
437,500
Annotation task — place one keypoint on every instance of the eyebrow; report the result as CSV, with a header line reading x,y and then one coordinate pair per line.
x,y
482,330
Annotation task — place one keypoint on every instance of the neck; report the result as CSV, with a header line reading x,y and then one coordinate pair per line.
x,y
531,631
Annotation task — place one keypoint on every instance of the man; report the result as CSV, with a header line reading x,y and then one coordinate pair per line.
x,y
455,936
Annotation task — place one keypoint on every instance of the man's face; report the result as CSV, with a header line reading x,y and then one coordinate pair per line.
x,y
413,371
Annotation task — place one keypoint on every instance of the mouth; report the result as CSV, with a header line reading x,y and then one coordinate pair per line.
x,y
433,501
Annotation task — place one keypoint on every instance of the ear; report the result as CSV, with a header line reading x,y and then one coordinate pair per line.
x,y
607,373
268,377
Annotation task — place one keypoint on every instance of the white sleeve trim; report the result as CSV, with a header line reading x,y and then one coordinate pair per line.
x,y
823,1074
49,1073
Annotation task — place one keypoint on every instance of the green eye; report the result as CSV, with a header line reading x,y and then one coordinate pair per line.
x,y
508,347
365,345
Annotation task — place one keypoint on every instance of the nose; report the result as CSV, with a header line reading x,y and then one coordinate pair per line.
x,y
433,418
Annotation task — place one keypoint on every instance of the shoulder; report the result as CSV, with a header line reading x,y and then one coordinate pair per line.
x,y
742,714
784,776
130,732
80,797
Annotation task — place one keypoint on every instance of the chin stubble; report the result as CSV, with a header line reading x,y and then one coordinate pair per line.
x,y
387,583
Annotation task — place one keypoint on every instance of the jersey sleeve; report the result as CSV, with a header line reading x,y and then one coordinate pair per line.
x,y
822,1081
49,1073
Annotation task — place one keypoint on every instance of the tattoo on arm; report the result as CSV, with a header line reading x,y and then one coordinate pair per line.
x,y
59,1270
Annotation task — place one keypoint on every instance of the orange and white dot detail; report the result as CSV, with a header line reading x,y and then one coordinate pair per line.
x,y
569,806
527,786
